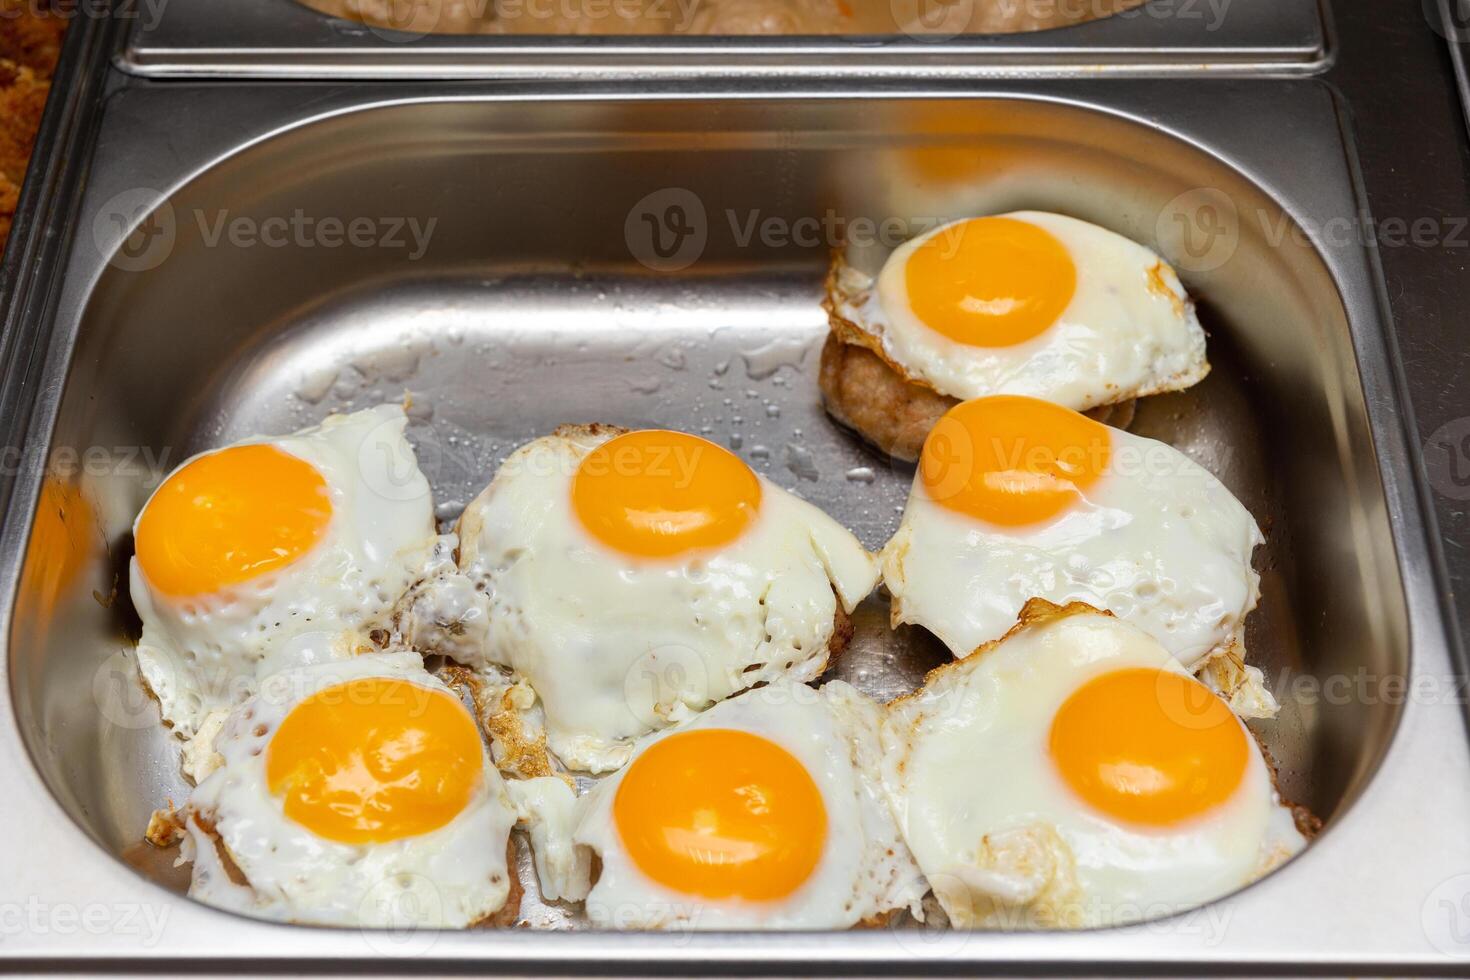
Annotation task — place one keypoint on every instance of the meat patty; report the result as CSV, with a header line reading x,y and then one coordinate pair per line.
x,y
864,393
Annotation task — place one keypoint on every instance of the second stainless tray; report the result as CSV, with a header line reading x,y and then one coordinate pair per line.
x,y
280,38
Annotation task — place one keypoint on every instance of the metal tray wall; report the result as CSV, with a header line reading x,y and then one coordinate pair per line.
x,y
531,284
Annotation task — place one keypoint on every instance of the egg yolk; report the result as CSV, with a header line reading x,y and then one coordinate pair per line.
x,y
656,494
1147,746
722,814
375,759
1012,460
229,517
990,282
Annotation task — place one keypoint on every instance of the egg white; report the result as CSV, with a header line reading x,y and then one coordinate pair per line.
x,y
204,654
1157,540
451,877
614,646
1129,330
1002,839
864,872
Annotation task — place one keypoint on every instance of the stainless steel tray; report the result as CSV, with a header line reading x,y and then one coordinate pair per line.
x,y
534,304
280,38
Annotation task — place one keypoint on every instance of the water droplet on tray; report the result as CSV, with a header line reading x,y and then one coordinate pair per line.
x,y
800,462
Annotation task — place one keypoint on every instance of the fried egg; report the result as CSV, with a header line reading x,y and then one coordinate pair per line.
x,y
1073,774
353,792
635,578
272,551
1016,498
1026,303
763,812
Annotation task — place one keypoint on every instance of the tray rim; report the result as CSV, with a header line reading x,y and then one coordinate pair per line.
x,y
196,38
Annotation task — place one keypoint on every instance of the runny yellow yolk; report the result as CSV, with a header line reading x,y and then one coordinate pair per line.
x,y
721,814
990,282
657,494
1147,746
375,759
1012,460
229,517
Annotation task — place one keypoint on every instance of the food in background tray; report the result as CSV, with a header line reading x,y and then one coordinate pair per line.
x,y
30,43
714,17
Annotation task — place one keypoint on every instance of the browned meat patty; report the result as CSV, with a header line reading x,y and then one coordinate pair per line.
x,y
892,413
